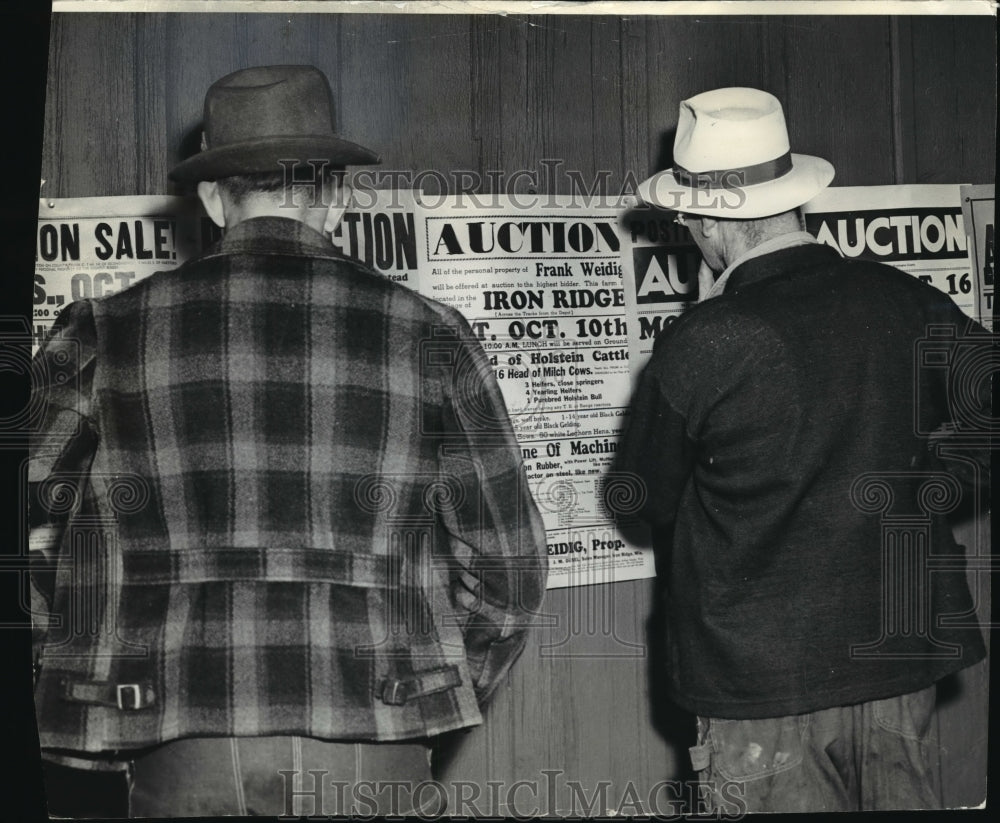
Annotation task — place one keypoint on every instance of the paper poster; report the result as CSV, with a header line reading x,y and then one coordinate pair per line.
x,y
660,265
918,229
979,213
542,288
96,246
379,230
566,299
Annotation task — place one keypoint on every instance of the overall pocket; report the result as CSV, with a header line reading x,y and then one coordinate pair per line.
x,y
908,715
746,750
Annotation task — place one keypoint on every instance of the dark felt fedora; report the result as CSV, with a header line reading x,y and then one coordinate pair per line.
x,y
258,116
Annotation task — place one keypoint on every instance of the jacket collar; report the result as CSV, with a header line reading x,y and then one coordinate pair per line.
x,y
275,235
783,261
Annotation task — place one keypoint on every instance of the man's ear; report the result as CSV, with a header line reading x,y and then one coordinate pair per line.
x,y
211,199
338,205
707,225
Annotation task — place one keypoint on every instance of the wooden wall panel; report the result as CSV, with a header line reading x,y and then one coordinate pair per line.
x,y
686,56
435,95
637,159
562,94
152,88
577,702
838,95
500,118
405,91
373,83
955,104
610,118
92,126
885,101
201,51
276,39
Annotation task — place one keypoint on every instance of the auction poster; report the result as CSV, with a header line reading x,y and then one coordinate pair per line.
x,y
96,246
660,266
378,230
542,288
918,229
979,212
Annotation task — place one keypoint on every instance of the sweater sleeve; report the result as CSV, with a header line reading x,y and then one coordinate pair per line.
x,y
655,450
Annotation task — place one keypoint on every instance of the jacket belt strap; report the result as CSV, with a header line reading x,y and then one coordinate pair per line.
x,y
395,692
127,697
89,764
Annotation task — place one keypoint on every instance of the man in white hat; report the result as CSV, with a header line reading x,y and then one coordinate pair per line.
x,y
302,534
773,426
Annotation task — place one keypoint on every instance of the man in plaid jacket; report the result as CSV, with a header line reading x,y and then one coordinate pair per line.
x,y
280,500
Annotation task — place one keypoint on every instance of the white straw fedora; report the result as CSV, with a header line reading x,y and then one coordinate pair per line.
x,y
732,158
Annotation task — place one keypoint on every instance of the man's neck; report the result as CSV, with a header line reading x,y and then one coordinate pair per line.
x,y
737,247
314,218
737,244
796,237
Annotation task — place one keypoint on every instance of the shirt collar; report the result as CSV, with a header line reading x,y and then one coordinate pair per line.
x,y
782,241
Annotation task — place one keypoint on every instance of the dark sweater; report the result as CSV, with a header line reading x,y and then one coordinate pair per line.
x,y
780,431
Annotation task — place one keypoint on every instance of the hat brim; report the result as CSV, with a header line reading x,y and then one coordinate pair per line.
x,y
807,178
262,155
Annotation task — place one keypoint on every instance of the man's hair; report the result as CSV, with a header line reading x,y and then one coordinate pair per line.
x,y
239,187
758,230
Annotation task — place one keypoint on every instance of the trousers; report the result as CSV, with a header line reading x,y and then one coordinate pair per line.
x,y
247,776
870,756
285,775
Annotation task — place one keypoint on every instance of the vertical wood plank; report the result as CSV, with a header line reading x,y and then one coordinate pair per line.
x,y
954,93
839,95
499,97
903,114
405,90
686,56
637,160
280,39
92,126
485,92
202,50
576,703
52,148
371,78
607,105
152,148
562,94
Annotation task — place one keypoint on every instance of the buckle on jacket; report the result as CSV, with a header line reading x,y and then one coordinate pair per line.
x,y
394,692
132,689
126,697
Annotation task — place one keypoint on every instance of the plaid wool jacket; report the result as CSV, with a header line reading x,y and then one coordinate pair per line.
x,y
275,493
